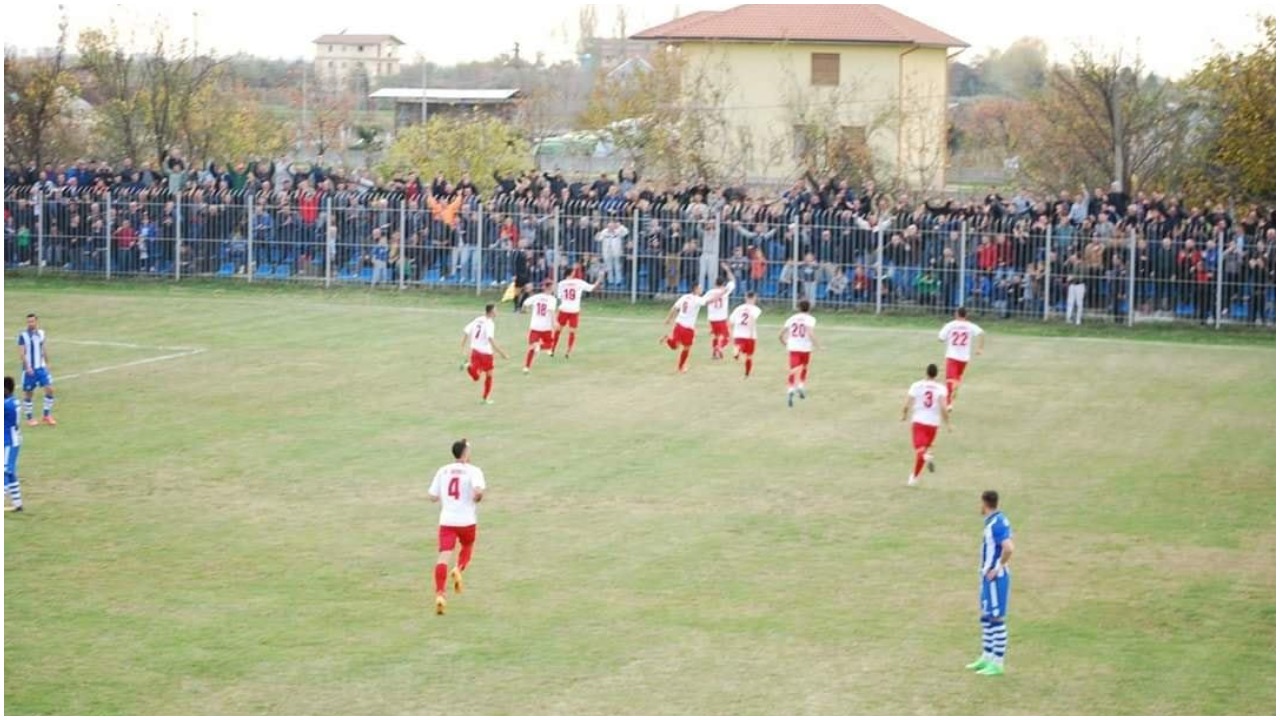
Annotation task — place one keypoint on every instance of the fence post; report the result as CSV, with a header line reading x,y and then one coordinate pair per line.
x,y
109,230
555,244
250,261
963,260
635,252
39,212
1217,280
401,256
879,271
1048,271
177,254
177,229
795,264
1133,272
477,265
330,242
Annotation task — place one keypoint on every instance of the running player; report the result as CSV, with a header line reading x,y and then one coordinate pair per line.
x,y
36,372
685,313
457,486
799,338
542,310
570,292
927,403
743,321
479,334
959,335
718,315
12,444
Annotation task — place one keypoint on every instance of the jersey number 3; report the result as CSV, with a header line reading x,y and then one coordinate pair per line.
x,y
927,400
453,488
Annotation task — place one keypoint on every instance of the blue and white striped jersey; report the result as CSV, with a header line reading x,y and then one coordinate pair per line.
x,y
31,345
12,430
995,531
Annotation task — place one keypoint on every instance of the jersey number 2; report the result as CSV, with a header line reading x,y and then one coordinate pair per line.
x,y
453,488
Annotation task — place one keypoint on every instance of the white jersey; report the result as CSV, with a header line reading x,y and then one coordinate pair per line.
x,y
688,307
959,336
480,332
542,312
570,294
455,484
928,397
743,320
31,345
800,332
718,307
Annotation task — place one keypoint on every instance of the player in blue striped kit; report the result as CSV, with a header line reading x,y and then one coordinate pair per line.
x,y
35,370
997,550
12,443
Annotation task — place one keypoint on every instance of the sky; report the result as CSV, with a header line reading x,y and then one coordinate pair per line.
x,y
1172,40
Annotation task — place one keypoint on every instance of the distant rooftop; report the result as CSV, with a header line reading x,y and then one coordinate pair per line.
x,y
446,96
803,23
345,39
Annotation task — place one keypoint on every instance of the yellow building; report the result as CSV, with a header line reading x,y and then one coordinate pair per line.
x,y
340,57
827,88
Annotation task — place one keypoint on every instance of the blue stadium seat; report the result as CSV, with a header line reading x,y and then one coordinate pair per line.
x,y
366,274
283,270
263,270
227,269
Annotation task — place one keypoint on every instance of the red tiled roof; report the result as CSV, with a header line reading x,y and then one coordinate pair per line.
x,y
800,23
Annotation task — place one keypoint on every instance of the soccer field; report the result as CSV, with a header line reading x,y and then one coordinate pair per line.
x,y
232,518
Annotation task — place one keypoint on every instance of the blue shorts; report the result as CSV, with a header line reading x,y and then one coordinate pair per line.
x,y
11,459
36,378
993,597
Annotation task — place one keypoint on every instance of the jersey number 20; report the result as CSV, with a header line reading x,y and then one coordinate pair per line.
x,y
798,330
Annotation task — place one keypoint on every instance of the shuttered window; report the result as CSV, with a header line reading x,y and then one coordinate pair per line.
x,y
824,69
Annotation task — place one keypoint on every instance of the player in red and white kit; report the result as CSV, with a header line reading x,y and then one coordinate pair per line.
x,y
798,335
685,313
457,486
742,321
960,336
718,315
479,334
570,291
928,406
542,311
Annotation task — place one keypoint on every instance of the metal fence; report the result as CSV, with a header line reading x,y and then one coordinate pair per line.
x,y
904,262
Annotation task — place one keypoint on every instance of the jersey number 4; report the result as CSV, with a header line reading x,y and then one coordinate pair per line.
x,y
453,488
959,338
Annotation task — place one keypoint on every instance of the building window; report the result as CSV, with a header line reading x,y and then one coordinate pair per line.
x,y
824,69
359,48
330,48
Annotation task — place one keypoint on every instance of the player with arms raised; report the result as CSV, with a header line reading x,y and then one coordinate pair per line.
x,y
457,486
479,335
570,291
542,310
743,322
685,313
927,404
959,335
718,315
799,338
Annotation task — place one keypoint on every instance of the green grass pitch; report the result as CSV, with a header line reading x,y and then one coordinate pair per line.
x,y
244,528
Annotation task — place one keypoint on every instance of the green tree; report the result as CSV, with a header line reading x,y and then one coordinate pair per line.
x,y
1236,96
477,144
37,92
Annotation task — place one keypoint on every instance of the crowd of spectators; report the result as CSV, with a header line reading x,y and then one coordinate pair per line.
x,y
829,240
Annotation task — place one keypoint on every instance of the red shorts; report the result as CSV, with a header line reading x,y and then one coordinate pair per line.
x,y
482,362
799,359
955,369
452,534
922,435
720,328
746,345
545,338
567,319
681,335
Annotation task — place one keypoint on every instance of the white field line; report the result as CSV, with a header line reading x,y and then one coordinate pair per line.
x,y
181,353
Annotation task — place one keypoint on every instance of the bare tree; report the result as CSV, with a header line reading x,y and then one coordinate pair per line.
x,y
36,94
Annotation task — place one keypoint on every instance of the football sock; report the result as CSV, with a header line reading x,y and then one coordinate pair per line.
x,y
999,641
748,367
475,374
573,338
951,390
464,557
684,355
14,489
442,572
48,405
804,374
29,407
528,357
988,643
919,463
488,386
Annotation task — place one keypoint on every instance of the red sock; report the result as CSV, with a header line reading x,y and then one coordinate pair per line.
x,y
573,338
804,373
919,462
475,374
488,386
442,572
748,367
464,557
684,355
528,357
